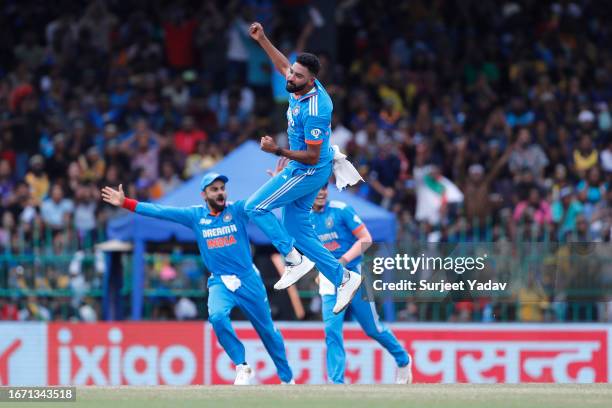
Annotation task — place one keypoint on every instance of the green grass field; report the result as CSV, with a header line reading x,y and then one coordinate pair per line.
x,y
353,396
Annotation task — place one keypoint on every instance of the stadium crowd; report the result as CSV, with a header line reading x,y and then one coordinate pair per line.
x,y
470,120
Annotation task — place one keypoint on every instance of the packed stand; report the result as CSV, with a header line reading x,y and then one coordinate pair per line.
x,y
472,121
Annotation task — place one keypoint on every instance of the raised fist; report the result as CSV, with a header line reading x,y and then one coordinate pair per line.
x,y
256,31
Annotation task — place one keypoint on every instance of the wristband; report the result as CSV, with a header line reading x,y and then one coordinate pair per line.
x,y
278,151
129,204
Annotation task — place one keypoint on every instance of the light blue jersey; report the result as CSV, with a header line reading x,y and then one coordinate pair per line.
x,y
309,122
222,238
336,226
225,250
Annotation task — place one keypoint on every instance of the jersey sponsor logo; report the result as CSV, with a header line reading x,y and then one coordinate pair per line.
x,y
328,236
290,121
315,133
329,222
205,221
227,217
221,242
332,246
216,232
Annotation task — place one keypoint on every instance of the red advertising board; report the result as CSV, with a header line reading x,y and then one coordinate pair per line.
x,y
125,353
189,353
441,353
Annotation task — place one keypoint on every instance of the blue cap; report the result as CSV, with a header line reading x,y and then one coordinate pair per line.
x,y
210,178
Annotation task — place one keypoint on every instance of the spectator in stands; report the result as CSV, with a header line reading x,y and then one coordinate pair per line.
x,y
418,84
7,181
168,181
37,179
565,211
85,206
527,155
585,155
56,211
537,209
186,138
205,156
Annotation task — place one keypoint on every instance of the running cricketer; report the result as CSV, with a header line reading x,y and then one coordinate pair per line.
x,y
221,232
343,233
296,186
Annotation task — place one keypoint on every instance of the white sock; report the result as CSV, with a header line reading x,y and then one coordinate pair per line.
x,y
293,257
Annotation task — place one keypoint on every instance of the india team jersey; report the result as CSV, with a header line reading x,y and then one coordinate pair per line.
x,y
222,238
336,226
309,122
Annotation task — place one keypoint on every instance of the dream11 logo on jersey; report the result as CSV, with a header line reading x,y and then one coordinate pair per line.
x,y
125,354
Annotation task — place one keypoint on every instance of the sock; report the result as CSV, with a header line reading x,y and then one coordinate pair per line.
x,y
293,257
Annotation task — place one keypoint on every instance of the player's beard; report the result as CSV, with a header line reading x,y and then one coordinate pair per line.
x,y
291,87
216,206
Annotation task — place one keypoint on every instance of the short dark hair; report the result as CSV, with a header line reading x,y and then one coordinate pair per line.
x,y
310,61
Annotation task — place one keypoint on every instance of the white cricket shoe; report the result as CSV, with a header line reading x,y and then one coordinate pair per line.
x,y
347,290
293,272
244,374
292,382
404,374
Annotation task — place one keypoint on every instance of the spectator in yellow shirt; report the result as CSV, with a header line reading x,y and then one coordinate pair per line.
x,y
37,179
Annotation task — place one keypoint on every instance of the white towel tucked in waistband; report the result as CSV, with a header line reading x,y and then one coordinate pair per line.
x,y
346,174
232,282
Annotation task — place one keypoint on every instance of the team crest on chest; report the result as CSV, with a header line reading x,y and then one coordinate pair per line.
x,y
329,222
227,217
296,110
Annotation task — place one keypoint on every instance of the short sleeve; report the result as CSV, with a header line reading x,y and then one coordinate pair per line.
x,y
316,129
351,219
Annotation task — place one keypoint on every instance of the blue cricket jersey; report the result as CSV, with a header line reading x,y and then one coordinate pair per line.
x,y
336,226
222,238
309,122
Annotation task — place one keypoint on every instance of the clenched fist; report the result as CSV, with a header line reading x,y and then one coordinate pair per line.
x,y
268,144
256,31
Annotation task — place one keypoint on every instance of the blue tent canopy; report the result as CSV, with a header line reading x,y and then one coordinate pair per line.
x,y
246,169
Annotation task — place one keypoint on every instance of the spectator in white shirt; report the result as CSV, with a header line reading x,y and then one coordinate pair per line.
x,y
56,210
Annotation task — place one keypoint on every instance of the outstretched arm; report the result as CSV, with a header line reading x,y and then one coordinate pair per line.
x,y
281,63
181,215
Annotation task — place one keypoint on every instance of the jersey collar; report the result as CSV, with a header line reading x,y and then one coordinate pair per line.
x,y
314,91
212,213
